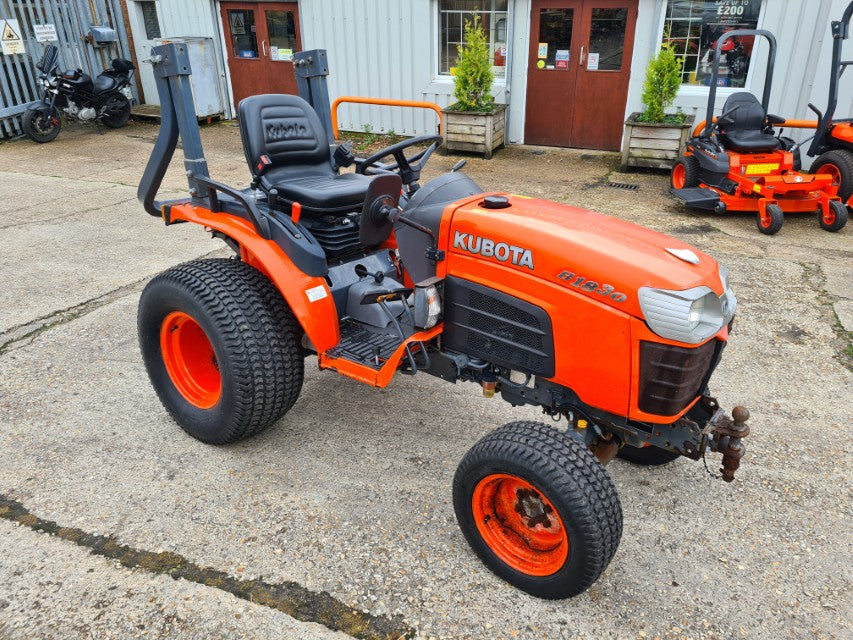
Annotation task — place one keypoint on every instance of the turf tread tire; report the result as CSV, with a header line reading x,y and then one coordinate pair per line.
x,y
777,219
573,480
843,161
254,335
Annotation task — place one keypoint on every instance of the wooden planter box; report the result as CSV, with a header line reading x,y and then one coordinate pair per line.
x,y
477,131
653,145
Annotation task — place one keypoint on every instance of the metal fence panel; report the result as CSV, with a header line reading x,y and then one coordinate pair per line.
x,y
72,19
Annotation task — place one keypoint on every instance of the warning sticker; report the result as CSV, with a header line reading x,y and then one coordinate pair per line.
x,y
10,37
759,169
316,293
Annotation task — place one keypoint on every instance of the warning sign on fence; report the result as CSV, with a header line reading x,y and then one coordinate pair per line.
x,y
10,37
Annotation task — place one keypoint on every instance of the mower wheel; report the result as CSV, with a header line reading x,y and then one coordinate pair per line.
x,y
837,217
221,348
685,173
771,222
839,164
647,456
538,508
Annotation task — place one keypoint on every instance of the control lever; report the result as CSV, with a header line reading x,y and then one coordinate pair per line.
x,y
458,165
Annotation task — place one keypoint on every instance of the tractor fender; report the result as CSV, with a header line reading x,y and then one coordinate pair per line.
x,y
307,296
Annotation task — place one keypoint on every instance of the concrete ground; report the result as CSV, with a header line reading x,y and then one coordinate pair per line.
x,y
115,524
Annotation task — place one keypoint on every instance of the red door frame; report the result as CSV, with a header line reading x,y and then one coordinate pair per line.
x,y
261,74
578,107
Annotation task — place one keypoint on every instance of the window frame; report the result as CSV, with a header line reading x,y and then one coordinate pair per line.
x,y
446,78
694,90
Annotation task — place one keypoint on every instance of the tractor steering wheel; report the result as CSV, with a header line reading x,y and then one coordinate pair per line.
x,y
409,168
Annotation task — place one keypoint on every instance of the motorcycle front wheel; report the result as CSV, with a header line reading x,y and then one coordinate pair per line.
x,y
116,111
41,128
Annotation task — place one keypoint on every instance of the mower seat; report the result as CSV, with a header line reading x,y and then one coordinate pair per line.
x,y
746,132
287,150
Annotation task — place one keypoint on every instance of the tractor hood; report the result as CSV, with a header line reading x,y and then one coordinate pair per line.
x,y
587,252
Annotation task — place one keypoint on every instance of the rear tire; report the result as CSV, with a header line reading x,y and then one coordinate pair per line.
x,y
40,129
221,349
772,222
117,111
685,173
538,508
647,456
839,164
837,216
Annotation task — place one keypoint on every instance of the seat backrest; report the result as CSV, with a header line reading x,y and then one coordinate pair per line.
x,y
287,130
749,116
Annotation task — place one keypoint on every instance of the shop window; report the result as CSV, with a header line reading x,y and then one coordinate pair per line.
x,y
452,15
693,27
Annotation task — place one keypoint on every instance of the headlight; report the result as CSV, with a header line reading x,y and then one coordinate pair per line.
x,y
727,300
690,316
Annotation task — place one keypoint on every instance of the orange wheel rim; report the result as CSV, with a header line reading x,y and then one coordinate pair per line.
x,y
833,171
190,360
520,525
678,173
829,215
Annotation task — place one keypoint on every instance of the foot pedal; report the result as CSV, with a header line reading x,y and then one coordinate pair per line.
x,y
698,197
366,345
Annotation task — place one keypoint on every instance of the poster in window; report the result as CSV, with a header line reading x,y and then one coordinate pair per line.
x,y
718,18
693,27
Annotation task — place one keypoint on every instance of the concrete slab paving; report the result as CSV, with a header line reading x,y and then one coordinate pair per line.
x,y
350,492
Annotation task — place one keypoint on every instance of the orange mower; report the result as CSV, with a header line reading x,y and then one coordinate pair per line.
x,y
736,162
613,329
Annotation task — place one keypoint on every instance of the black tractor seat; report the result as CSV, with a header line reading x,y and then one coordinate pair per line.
x,y
103,83
290,158
746,132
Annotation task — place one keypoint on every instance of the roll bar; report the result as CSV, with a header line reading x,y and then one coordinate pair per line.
x,y
768,80
840,31
177,110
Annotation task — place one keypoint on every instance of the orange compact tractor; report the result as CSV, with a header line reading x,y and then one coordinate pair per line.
x,y
833,141
736,163
611,327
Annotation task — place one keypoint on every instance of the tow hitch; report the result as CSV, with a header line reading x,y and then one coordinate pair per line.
x,y
728,434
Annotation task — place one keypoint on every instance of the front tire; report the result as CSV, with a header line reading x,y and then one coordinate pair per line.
x,y
220,346
647,456
116,111
40,128
770,223
538,508
837,217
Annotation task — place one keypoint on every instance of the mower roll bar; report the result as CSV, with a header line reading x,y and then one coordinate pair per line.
x,y
172,75
768,80
840,32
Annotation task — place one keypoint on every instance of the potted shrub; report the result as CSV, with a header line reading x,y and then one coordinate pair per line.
x,y
474,122
654,138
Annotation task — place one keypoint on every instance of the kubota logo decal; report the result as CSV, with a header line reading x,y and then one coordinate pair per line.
x,y
488,248
286,131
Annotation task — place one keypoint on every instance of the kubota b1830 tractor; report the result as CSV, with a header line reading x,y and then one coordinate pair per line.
x,y
611,327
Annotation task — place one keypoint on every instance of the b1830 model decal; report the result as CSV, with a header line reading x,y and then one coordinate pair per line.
x,y
591,286
490,249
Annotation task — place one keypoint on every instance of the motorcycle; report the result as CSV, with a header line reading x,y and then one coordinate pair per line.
x,y
106,99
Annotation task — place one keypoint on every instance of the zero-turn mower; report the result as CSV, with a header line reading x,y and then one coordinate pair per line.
x,y
607,326
833,140
735,162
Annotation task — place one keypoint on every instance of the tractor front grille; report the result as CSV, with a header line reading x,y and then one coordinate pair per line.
x,y
486,323
672,377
